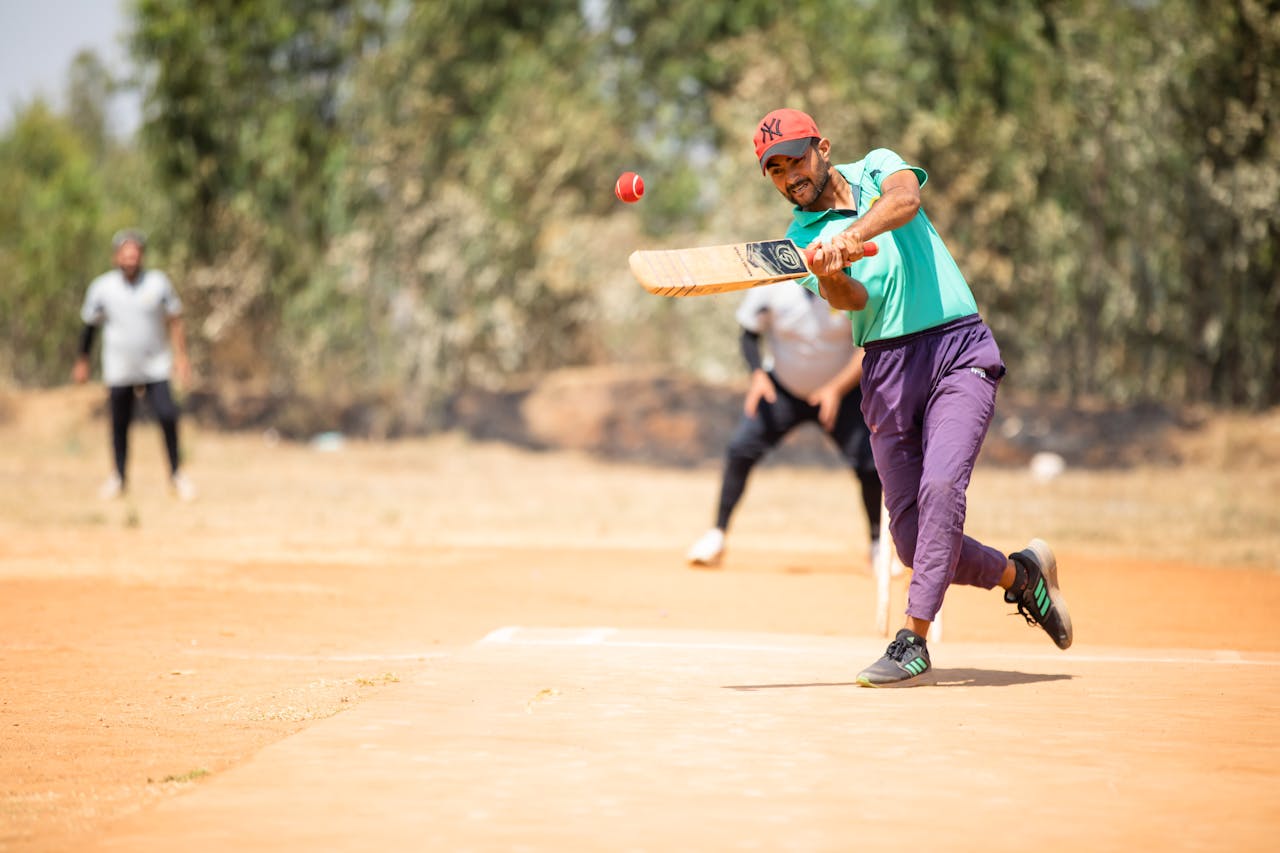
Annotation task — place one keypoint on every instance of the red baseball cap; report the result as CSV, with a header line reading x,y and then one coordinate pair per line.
x,y
787,132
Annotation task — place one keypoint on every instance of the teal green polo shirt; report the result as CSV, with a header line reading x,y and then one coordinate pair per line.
x,y
913,283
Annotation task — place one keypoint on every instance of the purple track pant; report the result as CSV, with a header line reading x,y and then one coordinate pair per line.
x,y
929,399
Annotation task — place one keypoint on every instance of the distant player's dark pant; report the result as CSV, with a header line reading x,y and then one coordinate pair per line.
x,y
162,406
755,437
929,399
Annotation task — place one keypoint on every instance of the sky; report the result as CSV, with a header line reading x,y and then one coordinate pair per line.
x,y
38,40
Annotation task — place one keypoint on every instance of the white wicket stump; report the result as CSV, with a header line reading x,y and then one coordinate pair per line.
x,y
887,567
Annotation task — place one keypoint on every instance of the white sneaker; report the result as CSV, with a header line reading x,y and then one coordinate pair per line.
x,y
708,550
183,488
112,488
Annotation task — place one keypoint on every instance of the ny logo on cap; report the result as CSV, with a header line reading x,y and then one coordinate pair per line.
x,y
771,128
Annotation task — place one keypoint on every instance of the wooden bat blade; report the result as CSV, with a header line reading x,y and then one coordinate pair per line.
x,y
717,269
720,269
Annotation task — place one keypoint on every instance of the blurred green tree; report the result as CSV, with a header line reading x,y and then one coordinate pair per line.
x,y
50,227
241,125
65,185
411,199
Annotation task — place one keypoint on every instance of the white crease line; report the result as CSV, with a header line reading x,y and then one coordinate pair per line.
x,y
509,636
501,635
398,656
1229,658
659,644
595,636
564,636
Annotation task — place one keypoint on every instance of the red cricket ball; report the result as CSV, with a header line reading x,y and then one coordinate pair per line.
x,y
629,188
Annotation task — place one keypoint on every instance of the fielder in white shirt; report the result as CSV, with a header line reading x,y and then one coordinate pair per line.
x,y
812,374
143,342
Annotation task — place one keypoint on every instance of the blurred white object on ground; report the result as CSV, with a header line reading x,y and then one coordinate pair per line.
x,y
112,488
1045,466
183,487
709,548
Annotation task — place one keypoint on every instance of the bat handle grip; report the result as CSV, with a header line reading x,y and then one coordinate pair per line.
x,y
868,249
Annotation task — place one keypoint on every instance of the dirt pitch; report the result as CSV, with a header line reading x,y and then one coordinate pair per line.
x,y
258,668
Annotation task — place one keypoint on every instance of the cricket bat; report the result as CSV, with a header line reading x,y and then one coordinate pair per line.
x,y
720,269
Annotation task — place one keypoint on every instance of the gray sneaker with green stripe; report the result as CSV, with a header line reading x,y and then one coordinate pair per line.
x,y
903,665
1036,592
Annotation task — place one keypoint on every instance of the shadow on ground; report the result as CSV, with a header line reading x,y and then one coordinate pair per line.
x,y
942,678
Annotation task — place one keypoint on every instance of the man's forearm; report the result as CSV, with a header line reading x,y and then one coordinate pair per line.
x,y
895,208
178,337
86,339
842,292
750,343
898,204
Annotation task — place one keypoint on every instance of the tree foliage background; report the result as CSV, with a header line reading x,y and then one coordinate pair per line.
x,y
403,201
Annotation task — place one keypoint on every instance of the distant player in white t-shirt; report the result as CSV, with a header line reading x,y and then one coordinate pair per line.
x,y
143,341
812,375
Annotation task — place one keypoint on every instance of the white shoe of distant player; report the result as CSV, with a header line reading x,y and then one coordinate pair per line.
x,y
708,550
112,488
183,488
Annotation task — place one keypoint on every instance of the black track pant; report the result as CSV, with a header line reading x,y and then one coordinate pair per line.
x,y
755,437
162,406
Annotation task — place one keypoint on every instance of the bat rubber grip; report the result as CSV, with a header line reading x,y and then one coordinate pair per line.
x,y
868,249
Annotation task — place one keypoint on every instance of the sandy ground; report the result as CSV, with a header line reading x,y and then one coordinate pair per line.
x,y
148,647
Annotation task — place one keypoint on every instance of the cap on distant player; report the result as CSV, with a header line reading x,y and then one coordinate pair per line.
x,y
787,132
128,235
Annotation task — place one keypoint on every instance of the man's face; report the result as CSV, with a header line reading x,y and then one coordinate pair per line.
x,y
801,179
129,258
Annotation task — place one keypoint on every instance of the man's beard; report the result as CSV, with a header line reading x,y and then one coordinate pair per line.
x,y
824,177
